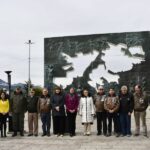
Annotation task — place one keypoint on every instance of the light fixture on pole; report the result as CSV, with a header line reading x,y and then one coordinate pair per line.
x,y
9,81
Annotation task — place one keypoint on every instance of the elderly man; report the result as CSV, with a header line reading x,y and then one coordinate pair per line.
x,y
125,111
140,106
18,107
111,105
101,114
45,112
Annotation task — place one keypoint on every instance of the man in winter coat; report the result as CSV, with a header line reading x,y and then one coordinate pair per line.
x,y
32,105
140,106
101,114
125,111
18,107
111,105
44,108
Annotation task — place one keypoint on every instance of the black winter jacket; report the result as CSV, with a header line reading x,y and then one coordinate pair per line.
x,y
58,100
32,104
126,103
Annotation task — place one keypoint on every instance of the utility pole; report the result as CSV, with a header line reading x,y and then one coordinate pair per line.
x,y
29,71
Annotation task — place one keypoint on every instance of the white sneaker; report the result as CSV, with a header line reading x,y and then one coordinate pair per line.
x,y
88,133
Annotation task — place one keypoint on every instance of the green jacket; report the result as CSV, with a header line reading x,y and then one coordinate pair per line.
x,y
18,103
140,102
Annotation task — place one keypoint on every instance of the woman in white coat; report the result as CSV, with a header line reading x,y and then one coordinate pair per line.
x,y
86,110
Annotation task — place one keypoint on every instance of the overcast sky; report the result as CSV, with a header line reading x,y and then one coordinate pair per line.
x,y
21,20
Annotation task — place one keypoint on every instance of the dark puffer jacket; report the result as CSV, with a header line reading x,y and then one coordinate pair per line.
x,y
126,103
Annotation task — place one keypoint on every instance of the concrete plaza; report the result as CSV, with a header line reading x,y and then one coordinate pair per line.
x,y
78,142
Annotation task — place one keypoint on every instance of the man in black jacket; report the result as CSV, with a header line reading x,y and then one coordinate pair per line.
x,y
125,110
32,104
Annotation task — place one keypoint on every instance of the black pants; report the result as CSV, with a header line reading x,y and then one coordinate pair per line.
x,y
113,117
101,122
46,122
18,122
10,124
71,122
3,119
59,124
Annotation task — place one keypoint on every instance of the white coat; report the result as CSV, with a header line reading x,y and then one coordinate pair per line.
x,y
86,109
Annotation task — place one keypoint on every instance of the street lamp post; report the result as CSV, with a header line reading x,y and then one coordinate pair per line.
x,y
9,81
9,96
29,76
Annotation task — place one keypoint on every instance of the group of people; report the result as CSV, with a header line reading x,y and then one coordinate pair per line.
x,y
108,108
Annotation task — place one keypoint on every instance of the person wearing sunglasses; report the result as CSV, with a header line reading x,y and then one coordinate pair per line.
x,y
101,114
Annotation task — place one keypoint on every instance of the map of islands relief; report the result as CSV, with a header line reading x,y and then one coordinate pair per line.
x,y
102,59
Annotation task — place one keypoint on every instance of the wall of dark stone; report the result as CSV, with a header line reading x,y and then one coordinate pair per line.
x,y
71,45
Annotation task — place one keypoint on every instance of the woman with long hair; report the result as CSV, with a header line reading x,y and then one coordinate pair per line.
x,y
58,111
71,101
4,110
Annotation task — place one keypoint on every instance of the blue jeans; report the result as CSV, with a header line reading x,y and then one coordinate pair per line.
x,y
125,121
46,122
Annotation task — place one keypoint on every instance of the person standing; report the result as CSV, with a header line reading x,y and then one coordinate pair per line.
x,y
125,111
58,112
32,105
44,107
18,107
4,110
100,111
140,106
87,112
10,126
72,102
111,105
